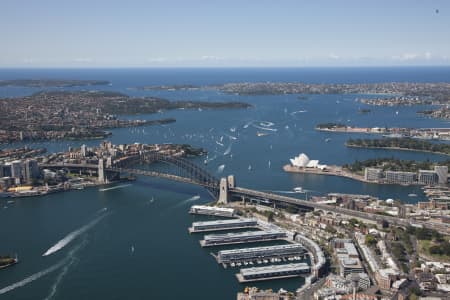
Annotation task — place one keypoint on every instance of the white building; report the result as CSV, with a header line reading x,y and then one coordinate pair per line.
x,y
303,161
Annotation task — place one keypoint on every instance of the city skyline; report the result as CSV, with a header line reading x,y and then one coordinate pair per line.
x,y
224,34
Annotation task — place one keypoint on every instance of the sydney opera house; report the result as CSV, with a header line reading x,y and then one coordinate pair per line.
x,y
303,161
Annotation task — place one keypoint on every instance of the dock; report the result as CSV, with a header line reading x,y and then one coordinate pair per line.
x,y
212,211
273,272
242,237
223,225
261,255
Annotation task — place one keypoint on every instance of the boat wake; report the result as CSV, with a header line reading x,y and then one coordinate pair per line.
x,y
298,112
32,278
220,169
264,128
114,187
193,198
228,150
72,259
73,235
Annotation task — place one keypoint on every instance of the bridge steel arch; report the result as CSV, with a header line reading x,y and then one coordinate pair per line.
x,y
192,173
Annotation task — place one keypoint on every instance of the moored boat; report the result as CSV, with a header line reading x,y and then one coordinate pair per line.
x,y
6,261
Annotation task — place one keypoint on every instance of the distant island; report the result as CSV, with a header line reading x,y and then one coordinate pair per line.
x,y
400,143
41,83
84,115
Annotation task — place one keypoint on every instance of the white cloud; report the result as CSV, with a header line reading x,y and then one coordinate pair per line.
x,y
83,60
333,56
211,57
156,60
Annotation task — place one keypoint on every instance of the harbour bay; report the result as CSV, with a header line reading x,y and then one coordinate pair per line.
x,y
102,264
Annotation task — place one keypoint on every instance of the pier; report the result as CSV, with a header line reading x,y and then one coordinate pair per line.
x,y
223,225
273,272
212,211
261,255
243,237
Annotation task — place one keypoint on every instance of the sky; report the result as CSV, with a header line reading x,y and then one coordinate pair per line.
x,y
226,33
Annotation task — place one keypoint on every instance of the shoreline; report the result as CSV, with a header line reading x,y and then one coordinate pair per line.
x,y
396,148
336,171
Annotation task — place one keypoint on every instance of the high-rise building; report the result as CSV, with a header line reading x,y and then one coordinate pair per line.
x,y
398,177
442,173
16,170
83,150
31,169
373,174
428,177
6,170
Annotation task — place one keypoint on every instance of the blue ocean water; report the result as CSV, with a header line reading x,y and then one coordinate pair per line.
x,y
167,263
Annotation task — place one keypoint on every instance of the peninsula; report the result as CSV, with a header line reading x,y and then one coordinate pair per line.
x,y
400,144
43,83
438,93
28,172
378,170
84,115
391,132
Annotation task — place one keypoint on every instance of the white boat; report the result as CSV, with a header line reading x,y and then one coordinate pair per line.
x,y
298,189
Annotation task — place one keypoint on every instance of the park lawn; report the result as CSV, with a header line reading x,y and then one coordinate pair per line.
x,y
424,246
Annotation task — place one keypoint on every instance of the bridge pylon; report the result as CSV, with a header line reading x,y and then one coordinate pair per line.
x,y
223,191
101,171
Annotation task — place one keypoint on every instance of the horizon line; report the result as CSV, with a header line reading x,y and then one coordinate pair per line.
x,y
216,67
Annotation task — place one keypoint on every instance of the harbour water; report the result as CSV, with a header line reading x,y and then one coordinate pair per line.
x,y
132,242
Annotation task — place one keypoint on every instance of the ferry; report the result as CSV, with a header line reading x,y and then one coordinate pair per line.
x,y
6,261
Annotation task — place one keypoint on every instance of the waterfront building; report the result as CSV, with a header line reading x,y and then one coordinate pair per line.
x,y
212,211
373,174
272,272
243,237
442,172
31,170
399,177
227,256
255,294
223,225
16,170
428,177
83,150
303,161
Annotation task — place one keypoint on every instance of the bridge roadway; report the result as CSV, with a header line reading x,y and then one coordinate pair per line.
x,y
238,191
272,197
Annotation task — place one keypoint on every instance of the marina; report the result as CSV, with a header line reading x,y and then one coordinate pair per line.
x,y
212,211
243,237
259,255
223,225
273,272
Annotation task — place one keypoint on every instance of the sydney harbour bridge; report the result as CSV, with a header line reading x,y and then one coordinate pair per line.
x,y
223,189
